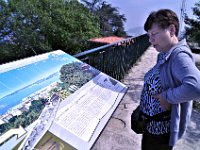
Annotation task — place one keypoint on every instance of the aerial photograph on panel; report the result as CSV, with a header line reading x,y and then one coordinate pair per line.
x,y
28,85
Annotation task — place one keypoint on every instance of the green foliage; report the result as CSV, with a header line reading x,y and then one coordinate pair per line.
x,y
38,26
196,105
4,15
111,22
31,27
193,28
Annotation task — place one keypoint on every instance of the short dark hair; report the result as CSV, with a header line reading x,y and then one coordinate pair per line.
x,y
163,18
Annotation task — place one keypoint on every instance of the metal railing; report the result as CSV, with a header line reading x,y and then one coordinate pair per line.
x,y
117,58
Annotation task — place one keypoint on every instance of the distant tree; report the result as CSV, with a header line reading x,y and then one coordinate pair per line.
x,y
193,28
6,48
38,26
111,21
4,15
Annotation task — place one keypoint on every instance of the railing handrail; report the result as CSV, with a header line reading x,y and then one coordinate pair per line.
x,y
103,47
117,58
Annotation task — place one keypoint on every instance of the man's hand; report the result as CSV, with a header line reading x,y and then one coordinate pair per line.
x,y
163,102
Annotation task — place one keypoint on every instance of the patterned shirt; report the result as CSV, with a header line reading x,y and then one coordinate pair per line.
x,y
151,106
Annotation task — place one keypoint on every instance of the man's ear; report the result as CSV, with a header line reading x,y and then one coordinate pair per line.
x,y
172,30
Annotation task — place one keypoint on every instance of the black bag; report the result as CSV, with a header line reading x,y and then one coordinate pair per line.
x,y
139,120
138,123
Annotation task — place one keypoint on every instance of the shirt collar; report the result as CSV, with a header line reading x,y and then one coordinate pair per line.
x,y
164,56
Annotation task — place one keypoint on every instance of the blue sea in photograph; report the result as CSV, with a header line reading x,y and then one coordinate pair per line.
x,y
15,98
23,81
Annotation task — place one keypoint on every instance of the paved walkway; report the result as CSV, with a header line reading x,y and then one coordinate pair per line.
x,y
118,135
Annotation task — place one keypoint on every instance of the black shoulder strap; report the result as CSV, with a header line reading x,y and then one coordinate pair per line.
x,y
166,115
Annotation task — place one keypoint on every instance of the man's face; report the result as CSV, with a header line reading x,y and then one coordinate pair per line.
x,y
159,38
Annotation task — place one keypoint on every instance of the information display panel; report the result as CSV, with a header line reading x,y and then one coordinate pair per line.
x,y
54,97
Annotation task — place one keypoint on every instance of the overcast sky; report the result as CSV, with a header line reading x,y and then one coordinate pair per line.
x,y
136,11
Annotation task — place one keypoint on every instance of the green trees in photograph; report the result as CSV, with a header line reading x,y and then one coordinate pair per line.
x,y
72,74
26,118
